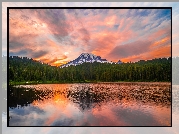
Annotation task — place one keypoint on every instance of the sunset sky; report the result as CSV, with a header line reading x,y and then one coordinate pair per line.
x,y
57,36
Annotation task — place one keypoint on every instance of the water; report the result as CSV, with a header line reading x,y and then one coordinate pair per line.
x,y
94,104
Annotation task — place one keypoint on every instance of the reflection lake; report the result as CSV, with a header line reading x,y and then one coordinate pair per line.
x,y
91,104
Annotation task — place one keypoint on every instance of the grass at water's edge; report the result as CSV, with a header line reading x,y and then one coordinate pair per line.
x,y
46,82
69,82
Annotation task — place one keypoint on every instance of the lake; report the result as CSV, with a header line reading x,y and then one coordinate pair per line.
x,y
91,104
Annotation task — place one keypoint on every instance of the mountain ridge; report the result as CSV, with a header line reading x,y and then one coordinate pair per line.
x,y
87,58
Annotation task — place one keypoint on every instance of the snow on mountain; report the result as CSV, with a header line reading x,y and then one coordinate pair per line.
x,y
86,57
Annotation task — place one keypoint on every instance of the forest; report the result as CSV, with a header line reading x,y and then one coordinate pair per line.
x,y
23,69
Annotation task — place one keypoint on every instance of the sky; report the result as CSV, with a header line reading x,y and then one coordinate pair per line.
x,y
57,36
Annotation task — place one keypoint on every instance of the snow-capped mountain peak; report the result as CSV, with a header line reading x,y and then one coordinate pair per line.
x,y
86,57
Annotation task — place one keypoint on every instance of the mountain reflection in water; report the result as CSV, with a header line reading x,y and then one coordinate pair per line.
x,y
102,104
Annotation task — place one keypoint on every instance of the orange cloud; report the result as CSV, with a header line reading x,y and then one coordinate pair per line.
x,y
158,53
162,52
133,58
161,42
53,62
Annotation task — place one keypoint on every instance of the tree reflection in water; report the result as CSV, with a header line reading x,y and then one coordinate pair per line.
x,y
87,94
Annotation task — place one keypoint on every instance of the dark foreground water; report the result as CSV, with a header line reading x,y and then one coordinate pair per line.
x,y
102,104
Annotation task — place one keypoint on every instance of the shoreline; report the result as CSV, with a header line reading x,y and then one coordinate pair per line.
x,y
94,82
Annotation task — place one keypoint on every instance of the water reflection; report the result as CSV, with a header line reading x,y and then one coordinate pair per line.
x,y
104,104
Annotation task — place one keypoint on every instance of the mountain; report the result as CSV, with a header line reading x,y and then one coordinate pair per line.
x,y
119,62
87,57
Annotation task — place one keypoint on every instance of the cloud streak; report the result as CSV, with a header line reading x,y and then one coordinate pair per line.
x,y
130,49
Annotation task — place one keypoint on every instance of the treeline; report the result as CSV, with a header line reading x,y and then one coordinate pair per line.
x,y
24,69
